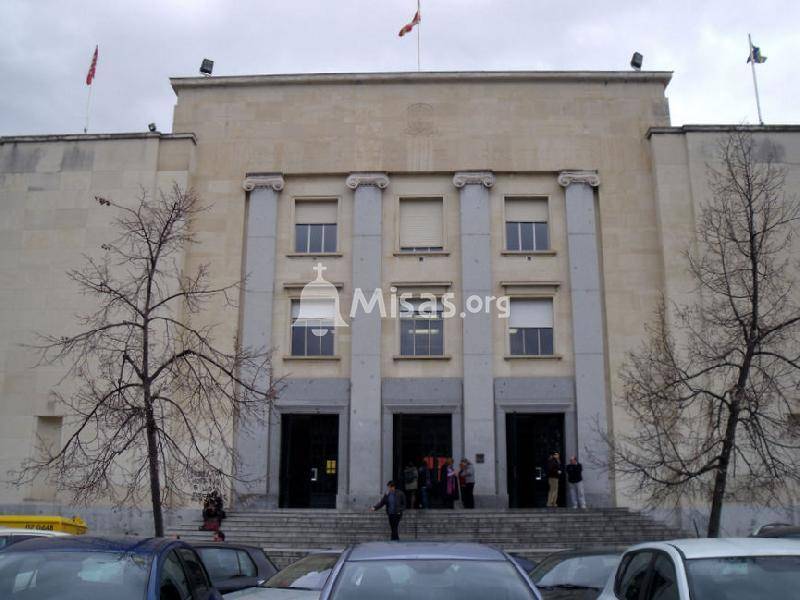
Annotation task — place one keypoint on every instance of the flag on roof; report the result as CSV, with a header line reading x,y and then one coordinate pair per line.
x,y
756,56
415,21
92,68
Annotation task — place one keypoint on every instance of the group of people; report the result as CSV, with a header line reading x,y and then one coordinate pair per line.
x,y
439,476
574,472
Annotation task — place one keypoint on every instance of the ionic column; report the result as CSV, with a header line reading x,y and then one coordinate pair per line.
x,y
476,278
587,329
365,331
252,437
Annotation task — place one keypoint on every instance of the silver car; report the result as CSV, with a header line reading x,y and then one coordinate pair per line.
x,y
427,571
301,580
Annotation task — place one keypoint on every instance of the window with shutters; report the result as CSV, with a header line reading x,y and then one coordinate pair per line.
x,y
421,225
315,226
312,327
527,225
421,328
530,327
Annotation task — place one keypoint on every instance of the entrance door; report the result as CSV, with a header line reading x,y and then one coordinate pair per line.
x,y
309,461
530,439
417,437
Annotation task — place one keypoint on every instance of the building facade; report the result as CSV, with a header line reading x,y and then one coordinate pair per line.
x,y
550,191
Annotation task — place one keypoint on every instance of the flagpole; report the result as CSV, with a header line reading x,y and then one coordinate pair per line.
x,y
419,27
88,101
755,81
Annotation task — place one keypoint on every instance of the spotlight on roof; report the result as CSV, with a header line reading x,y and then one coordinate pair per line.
x,y
636,61
206,67
152,127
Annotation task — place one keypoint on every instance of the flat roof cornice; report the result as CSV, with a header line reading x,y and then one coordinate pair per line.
x,y
91,137
662,77
722,129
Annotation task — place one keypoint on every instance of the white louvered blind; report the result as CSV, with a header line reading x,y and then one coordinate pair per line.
x,y
313,309
526,209
421,223
531,313
307,212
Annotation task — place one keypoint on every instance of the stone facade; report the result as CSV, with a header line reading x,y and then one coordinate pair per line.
x,y
265,143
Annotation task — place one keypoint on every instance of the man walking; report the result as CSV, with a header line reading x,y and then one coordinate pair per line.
x,y
395,502
553,476
575,483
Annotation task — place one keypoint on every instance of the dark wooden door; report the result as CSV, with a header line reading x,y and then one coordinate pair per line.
x,y
530,439
309,461
417,437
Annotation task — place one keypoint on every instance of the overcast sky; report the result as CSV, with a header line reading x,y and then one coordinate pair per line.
x,y
46,46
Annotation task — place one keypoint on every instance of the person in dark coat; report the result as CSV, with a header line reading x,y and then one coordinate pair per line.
x,y
425,483
553,477
213,511
395,502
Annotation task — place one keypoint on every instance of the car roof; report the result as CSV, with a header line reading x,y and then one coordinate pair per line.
x,y
228,545
424,551
84,543
728,547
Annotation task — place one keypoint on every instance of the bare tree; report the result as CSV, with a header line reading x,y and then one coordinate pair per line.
x,y
153,399
711,392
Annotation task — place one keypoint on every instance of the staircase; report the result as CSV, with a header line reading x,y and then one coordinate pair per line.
x,y
287,535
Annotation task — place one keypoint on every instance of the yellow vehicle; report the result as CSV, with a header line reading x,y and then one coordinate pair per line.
x,y
74,526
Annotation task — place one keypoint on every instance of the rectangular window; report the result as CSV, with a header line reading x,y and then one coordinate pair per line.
x,y
312,328
421,328
421,228
527,225
530,327
315,226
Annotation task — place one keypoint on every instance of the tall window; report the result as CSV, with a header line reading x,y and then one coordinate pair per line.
x,y
421,328
312,327
421,227
530,327
527,224
315,226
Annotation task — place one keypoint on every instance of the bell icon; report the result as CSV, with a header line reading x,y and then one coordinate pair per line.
x,y
319,306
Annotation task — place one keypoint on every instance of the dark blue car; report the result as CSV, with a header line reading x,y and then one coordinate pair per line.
x,y
93,568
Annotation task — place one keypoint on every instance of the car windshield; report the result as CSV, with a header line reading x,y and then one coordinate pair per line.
x,y
745,578
309,573
43,574
578,571
440,579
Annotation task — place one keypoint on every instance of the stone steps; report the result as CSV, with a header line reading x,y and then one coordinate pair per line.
x,y
290,534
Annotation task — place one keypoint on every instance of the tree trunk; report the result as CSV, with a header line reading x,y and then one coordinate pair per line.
x,y
155,482
721,477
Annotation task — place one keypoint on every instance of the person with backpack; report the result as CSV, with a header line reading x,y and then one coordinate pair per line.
x,y
395,502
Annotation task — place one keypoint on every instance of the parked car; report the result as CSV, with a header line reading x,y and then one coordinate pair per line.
x,y
708,569
10,536
235,566
575,574
526,564
301,580
778,531
95,568
427,571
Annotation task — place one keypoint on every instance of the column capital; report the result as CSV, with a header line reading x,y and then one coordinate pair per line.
x,y
566,178
462,178
263,180
379,180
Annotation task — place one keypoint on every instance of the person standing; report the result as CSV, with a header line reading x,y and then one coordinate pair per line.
x,y
410,478
553,476
425,483
395,502
450,484
575,483
466,475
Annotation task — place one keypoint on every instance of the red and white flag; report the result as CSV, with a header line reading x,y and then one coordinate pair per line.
x,y
92,68
415,21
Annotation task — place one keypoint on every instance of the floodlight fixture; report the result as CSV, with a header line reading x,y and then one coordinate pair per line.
x,y
207,67
636,61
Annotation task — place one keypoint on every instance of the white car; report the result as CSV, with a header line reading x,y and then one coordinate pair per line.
x,y
301,580
10,535
708,569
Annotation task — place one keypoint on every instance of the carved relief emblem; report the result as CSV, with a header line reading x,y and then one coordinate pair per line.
x,y
419,118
